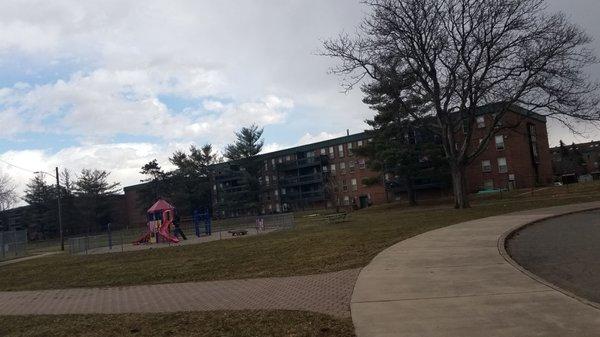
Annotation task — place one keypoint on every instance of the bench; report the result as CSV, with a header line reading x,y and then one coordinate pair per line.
x,y
238,232
335,218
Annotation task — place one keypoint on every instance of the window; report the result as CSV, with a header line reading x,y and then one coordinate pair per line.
x,y
276,193
267,180
310,154
480,122
500,142
288,158
361,164
486,166
333,168
341,151
343,167
325,168
331,154
351,166
350,149
360,143
344,185
354,184
322,152
283,191
346,200
502,167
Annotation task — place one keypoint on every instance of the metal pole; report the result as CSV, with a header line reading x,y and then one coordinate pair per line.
x,y
60,228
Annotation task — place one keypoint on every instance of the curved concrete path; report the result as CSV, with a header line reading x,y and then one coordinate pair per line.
x,y
455,281
325,293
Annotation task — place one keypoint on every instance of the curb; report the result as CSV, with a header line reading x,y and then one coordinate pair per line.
x,y
504,253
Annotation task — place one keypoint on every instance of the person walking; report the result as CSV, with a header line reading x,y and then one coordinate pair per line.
x,y
177,223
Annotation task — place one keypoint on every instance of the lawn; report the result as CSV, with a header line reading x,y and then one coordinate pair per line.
x,y
209,324
312,247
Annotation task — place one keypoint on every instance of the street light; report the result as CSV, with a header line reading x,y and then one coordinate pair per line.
x,y
60,228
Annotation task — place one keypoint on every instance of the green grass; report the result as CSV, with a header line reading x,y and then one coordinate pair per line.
x,y
313,247
209,324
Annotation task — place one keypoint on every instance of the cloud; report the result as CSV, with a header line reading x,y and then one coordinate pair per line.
x,y
105,103
308,138
123,160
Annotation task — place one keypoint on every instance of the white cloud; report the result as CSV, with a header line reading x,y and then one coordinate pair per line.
x,y
123,160
105,103
308,138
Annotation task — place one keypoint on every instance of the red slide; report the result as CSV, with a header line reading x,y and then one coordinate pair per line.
x,y
164,232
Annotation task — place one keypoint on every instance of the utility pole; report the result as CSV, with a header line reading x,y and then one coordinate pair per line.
x,y
60,228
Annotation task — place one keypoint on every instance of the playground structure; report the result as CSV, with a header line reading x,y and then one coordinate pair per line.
x,y
120,240
160,221
202,217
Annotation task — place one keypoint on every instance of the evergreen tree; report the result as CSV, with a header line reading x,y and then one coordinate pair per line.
x,y
93,191
42,199
243,153
247,145
402,146
190,181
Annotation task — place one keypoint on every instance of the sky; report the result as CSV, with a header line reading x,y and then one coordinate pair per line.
x,y
114,84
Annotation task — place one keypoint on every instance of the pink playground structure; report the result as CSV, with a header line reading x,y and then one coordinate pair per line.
x,y
160,220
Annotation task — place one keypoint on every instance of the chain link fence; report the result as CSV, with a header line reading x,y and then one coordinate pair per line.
x,y
122,240
13,244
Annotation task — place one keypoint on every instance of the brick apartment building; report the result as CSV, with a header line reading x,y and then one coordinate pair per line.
x,y
517,156
302,177
590,157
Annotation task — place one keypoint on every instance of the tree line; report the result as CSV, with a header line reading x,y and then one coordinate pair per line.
x,y
188,185
86,200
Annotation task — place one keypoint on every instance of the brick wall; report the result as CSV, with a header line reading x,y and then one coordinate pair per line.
x,y
516,151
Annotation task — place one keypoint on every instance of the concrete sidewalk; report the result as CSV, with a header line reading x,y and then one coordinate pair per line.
x,y
455,282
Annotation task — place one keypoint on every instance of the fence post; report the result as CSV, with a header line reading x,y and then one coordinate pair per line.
x,y
109,237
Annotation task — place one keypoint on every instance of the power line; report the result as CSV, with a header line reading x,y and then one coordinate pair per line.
x,y
16,166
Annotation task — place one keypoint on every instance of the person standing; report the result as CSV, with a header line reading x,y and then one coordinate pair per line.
x,y
177,223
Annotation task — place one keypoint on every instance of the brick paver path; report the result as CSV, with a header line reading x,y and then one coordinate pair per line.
x,y
325,293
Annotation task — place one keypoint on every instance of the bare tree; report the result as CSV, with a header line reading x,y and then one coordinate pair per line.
x,y
8,194
466,54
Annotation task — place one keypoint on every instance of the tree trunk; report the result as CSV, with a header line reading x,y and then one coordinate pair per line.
x,y
411,193
459,184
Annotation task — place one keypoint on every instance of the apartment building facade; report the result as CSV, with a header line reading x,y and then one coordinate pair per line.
x,y
318,175
517,156
587,156
329,174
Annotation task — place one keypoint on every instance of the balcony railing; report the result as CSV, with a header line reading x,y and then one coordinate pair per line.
x,y
303,162
304,196
301,180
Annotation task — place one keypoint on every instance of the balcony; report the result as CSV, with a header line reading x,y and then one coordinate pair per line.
x,y
301,180
229,176
303,162
303,196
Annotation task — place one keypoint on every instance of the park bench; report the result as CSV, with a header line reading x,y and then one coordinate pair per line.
x,y
335,218
238,232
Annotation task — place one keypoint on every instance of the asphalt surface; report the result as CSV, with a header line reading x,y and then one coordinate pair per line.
x,y
564,251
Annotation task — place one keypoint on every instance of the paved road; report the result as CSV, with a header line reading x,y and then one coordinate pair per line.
x,y
564,251
325,293
455,281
